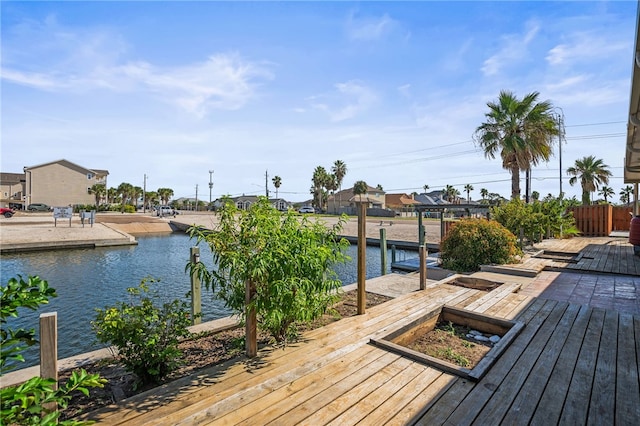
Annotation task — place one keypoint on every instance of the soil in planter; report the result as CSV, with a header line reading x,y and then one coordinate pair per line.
x,y
448,342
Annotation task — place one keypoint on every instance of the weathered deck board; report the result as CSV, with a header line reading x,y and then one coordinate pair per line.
x,y
552,399
574,410
627,386
603,391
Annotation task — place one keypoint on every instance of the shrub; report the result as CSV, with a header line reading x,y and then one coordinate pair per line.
x,y
537,219
146,336
474,242
286,259
33,402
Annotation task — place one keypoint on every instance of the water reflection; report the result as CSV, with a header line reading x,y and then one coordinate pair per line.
x,y
86,279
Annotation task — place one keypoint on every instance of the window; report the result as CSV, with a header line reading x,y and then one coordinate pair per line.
x,y
89,176
88,190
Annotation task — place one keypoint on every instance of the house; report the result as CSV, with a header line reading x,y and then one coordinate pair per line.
x,y
12,190
402,204
61,183
345,201
243,202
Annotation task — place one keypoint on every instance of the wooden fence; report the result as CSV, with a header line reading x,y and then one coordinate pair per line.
x,y
601,219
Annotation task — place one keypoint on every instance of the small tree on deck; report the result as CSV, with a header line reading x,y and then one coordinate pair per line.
x,y
271,265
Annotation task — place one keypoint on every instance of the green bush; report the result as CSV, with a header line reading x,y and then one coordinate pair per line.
x,y
474,242
29,403
145,335
537,219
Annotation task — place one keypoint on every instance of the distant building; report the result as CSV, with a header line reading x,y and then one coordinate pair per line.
x,y
61,183
345,201
401,203
244,202
12,190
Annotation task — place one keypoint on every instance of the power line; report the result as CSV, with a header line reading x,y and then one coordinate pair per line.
x,y
595,124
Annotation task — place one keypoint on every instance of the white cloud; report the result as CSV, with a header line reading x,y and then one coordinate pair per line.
x,y
353,96
514,50
586,46
405,90
370,28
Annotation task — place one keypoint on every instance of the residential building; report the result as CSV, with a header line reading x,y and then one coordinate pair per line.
x,y
345,201
243,202
12,190
402,204
61,183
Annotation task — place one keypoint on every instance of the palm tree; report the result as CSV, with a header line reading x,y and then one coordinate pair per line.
x,y
591,173
468,188
425,188
484,192
319,180
360,188
136,193
520,130
339,170
625,194
165,194
151,199
535,195
99,190
112,195
124,190
606,192
450,193
277,181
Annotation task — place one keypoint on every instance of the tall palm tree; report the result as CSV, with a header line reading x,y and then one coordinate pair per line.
x,y
136,193
277,181
520,130
339,170
592,172
125,190
319,181
625,194
606,192
484,192
112,195
425,188
151,199
165,194
360,188
468,188
450,193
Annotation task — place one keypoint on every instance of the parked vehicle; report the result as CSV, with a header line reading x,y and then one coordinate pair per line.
x,y
41,207
165,211
6,212
306,209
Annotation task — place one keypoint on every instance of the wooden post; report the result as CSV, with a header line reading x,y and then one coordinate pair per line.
x,y
251,325
420,228
383,251
196,290
362,251
442,224
423,267
393,253
49,351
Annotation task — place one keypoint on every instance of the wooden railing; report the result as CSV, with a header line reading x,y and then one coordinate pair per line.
x,y
600,220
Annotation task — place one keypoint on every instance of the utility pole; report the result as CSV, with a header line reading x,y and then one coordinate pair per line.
x,y
196,197
561,137
144,194
266,183
210,185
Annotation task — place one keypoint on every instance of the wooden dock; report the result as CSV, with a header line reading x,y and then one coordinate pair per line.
x,y
571,364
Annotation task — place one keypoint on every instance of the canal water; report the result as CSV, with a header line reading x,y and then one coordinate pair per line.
x,y
86,279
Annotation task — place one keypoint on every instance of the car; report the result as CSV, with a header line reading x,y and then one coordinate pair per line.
x,y
165,211
40,207
6,212
306,209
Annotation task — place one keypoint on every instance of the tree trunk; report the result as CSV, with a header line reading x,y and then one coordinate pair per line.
x,y
251,325
515,182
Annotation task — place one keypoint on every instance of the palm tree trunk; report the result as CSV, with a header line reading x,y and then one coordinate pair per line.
x,y
515,182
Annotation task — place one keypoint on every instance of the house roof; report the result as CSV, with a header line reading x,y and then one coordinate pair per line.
x,y
399,200
432,198
346,194
11,178
69,164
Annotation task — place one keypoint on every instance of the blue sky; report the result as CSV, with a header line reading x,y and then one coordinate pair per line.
x,y
393,89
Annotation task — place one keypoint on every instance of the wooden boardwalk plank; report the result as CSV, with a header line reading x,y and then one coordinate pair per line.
x,y
460,408
526,394
603,392
393,406
627,387
552,400
496,407
579,392
494,296
300,390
